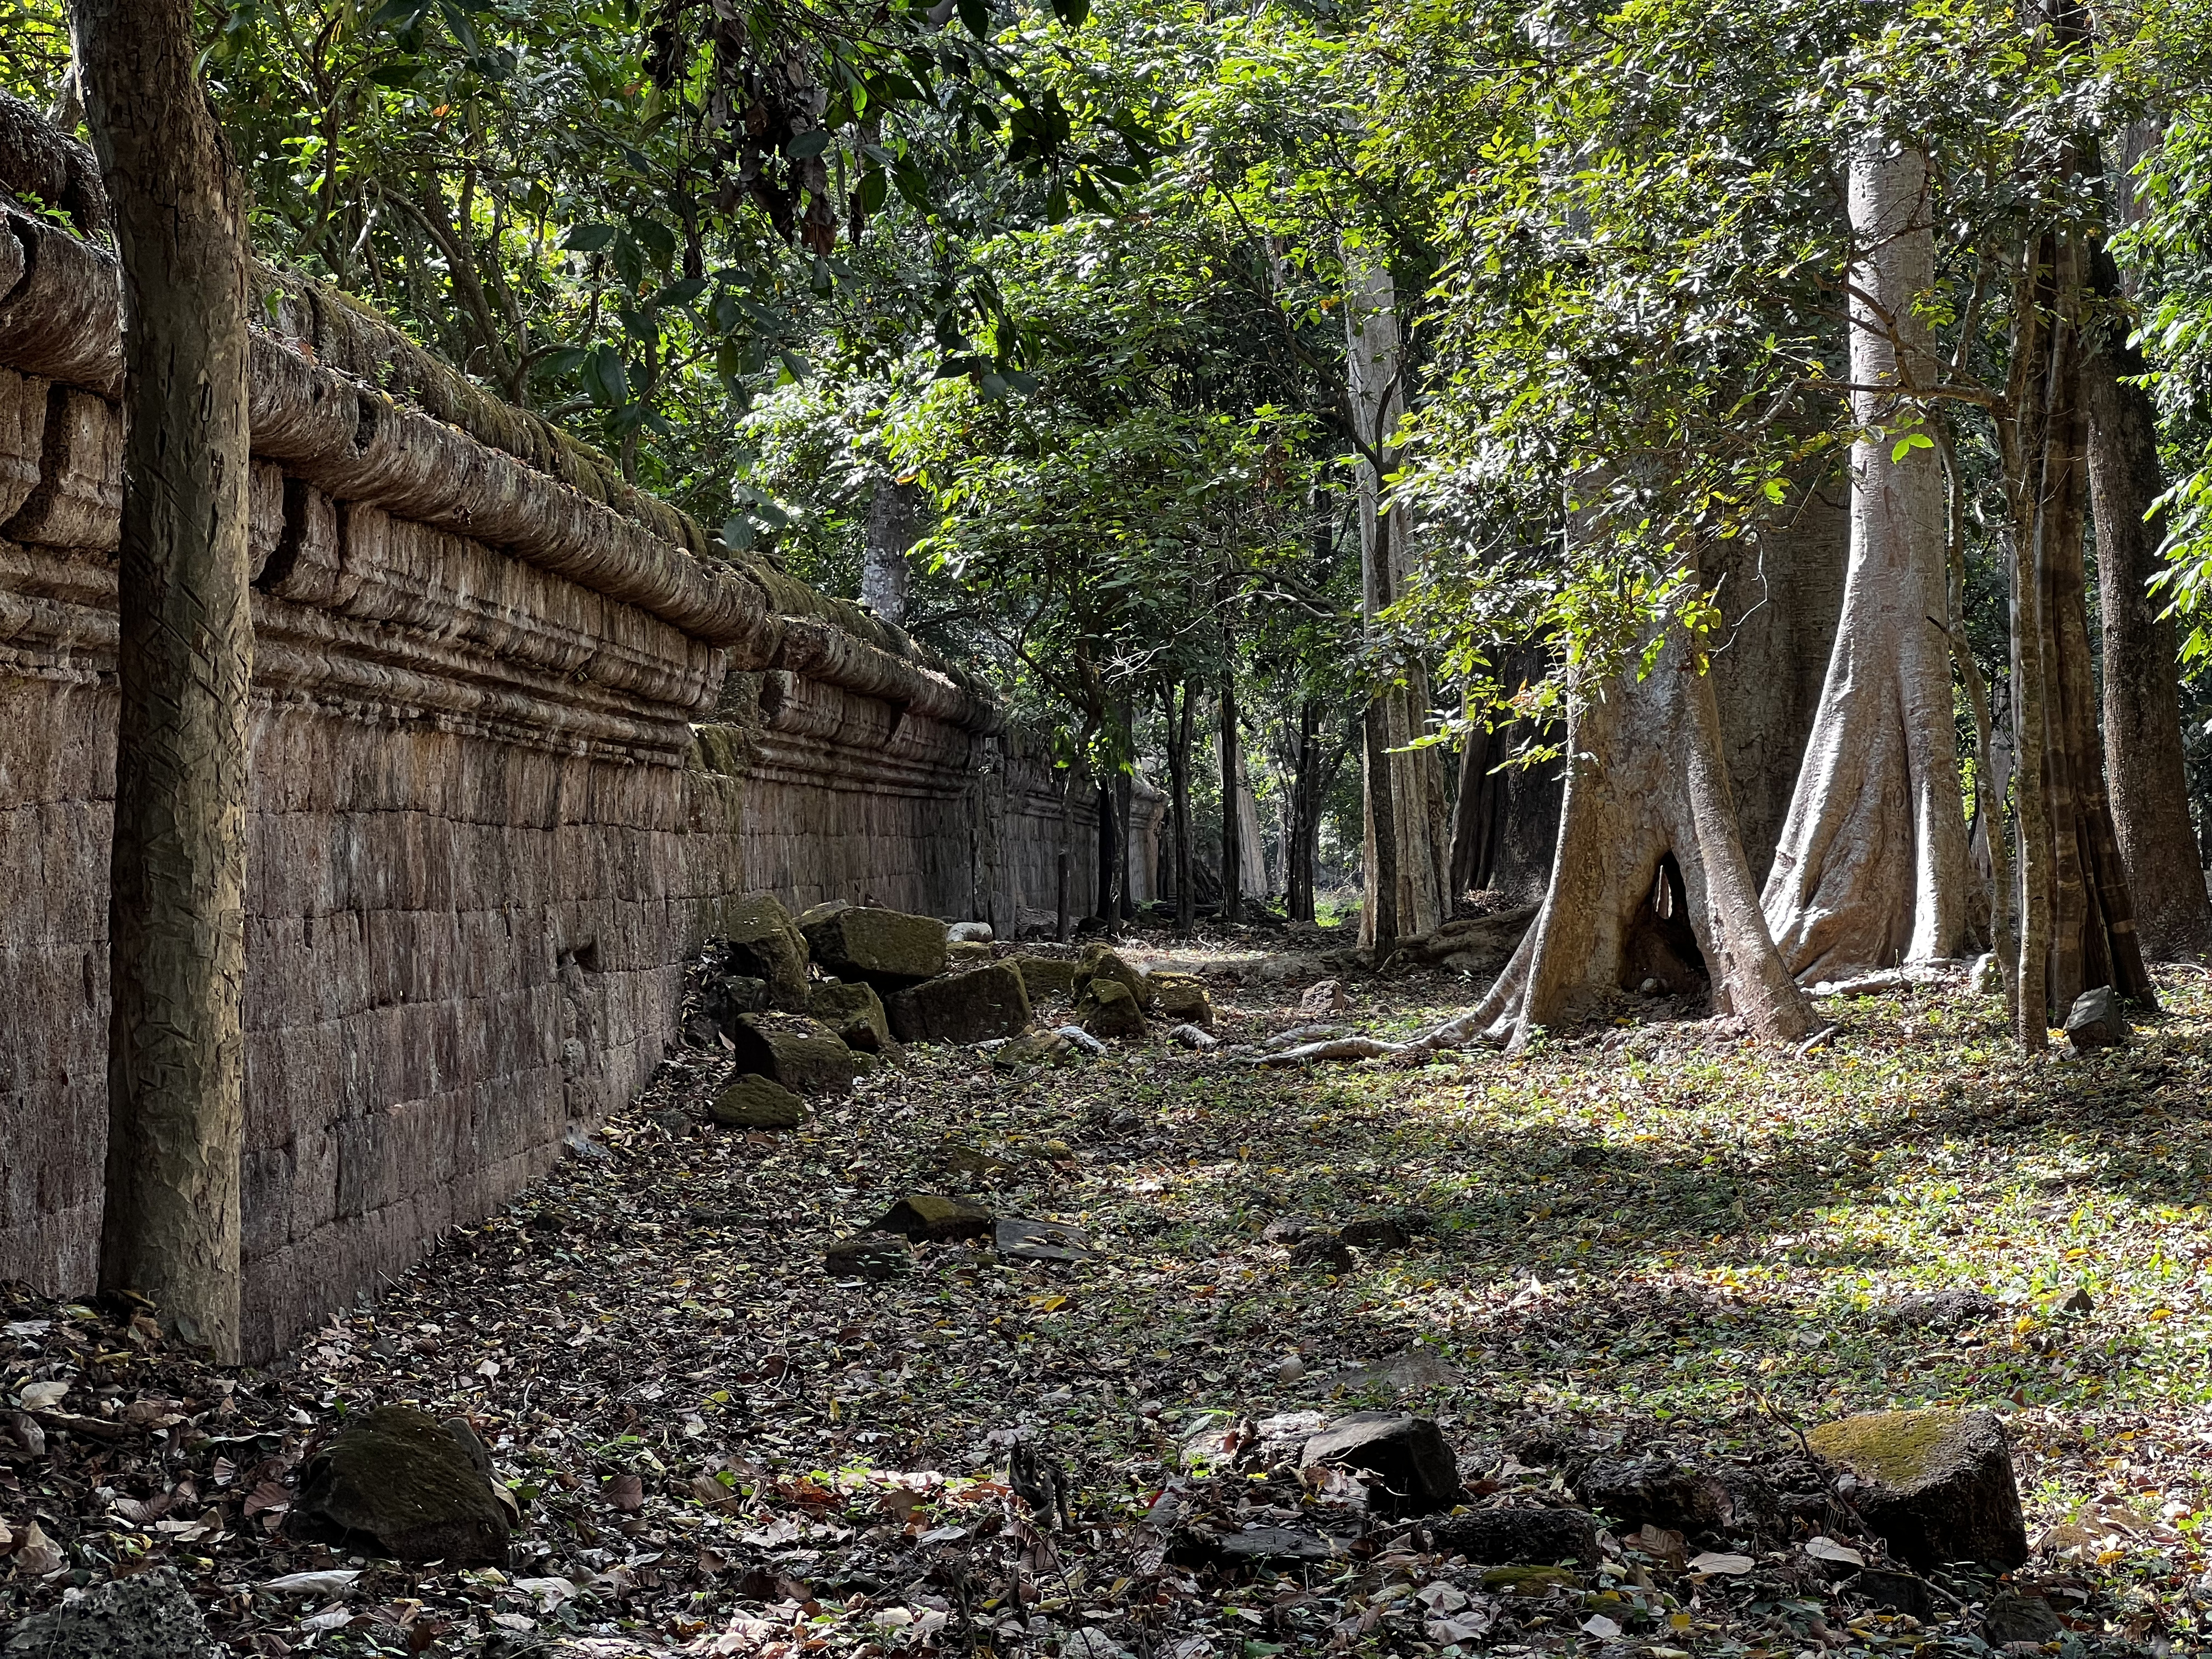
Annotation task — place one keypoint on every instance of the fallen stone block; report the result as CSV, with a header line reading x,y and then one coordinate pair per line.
x,y
1018,1238
967,952
1407,1462
1324,999
1255,1547
1046,976
761,941
1491,1538
962,1008
2095,1021
889,949
1033,1048
1107,1008
1180,997
800,1053
1936,1484
400,1483
854,1011
1102,962
1658,1492
969,932
877,1257
935,1217
757,1103
1321,1249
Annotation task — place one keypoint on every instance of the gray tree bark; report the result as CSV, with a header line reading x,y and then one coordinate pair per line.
x,y
886,579
184,660
2142,699
1871,867
1420,858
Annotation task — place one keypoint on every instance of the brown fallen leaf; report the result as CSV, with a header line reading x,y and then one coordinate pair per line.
x,y
626,1492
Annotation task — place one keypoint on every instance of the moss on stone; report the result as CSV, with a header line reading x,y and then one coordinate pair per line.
x,y
1528,1580
1897,1449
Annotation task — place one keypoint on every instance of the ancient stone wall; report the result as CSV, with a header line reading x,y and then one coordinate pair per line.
x,y
516,733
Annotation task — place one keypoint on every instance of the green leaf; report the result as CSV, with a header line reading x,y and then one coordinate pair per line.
x,y
589,239
807,145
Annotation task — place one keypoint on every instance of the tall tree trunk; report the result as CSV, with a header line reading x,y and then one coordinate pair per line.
x,y
1232,796
887,578
184,665
1379,927
2077,925
2141,692
1179,805
1124,904
1649,881
1108,859
1304,813
1421,852
1871,866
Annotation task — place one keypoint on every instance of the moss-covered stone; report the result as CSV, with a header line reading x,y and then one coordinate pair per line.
x,y
934,1217
400,1483
854,1011
1034,1048
1180,997
1936,1484
889,949
1107,1008
1528,1580
968,952
1047,976
757,1103
802,1054
970,1007
1101,962
760,941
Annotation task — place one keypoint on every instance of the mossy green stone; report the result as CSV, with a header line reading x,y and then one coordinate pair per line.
x,y
756,1102
1528,1580
399,1482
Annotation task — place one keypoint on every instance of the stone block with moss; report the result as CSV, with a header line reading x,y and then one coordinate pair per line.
x,y
1936,1484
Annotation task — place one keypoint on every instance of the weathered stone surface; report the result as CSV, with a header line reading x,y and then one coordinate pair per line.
x,y
936,1217
2095,1021
970,1007
889,949
1320,1248
1104,962
1046,976
854,1011
1324,999
1377,1232
800,1053
1034,1048
1406,1461
1500,1537
967,953
148,1615
1253,1546
969,932
1528,1582
1180,997
761,941
1658,1492
1937,1485
1020,1238
1941,1310
868,1257
1107,1009
2014,1617
757,1103
399,1483
723,997
518,745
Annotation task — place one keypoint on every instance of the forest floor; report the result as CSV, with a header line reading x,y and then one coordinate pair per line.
x,y
1655,1233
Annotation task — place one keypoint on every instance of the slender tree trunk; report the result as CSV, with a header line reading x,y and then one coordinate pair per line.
x,y
1109,861
184,665
1232,796
1378,916
1304,813
1179,782
887,578
1414,777
1124,907
2141,692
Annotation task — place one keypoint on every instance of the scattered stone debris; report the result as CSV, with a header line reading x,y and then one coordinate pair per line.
x,y
1318,1249
855,1013
1941,1310
868,1256
1034,1048
1108,1008
969,932
889,949
1181,997
2009,1617
1020,1238
800,1053
1499,1537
